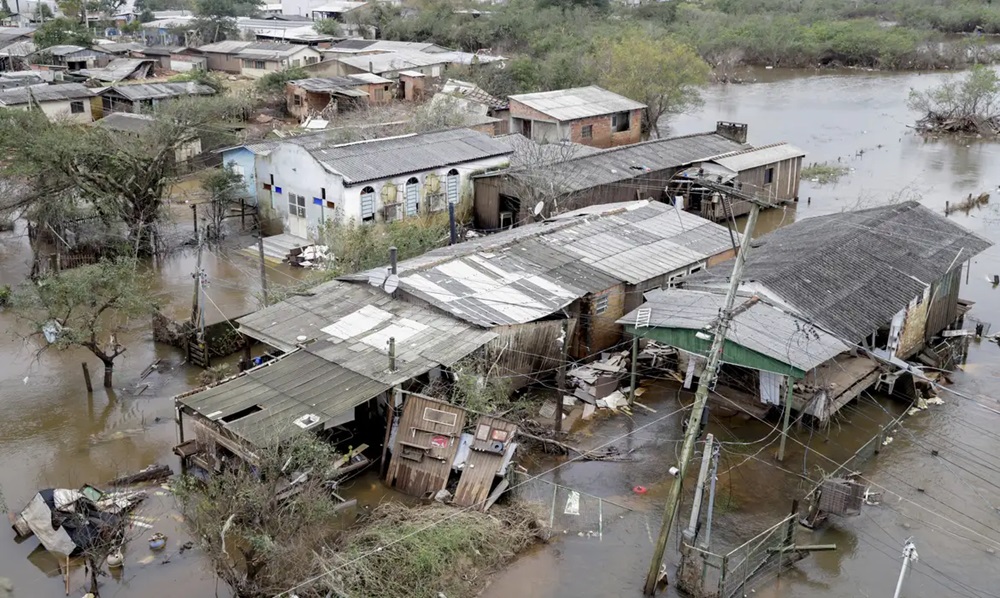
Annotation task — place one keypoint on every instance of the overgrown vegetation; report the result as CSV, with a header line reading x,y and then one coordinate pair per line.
x,y
89,307
969,103
360,247
426,551
478,388
823,172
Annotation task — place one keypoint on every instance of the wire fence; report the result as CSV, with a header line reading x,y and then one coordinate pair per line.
x,y
705,574
566,510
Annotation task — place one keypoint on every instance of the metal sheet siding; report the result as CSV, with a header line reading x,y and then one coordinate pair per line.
x,y
430,473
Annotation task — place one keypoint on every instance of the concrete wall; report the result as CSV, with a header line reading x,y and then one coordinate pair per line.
x,y
598,331
244,160
62,111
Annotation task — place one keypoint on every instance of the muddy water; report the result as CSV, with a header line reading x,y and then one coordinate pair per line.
x,y
946,502
53,434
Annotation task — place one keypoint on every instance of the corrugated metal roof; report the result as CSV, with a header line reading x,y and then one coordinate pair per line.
x,y
392,61
65,50
117,70
44,93
763,328
293,386
338,7
161,50
533,271
327,84
629,161
126,121
473,93
225,47
759,156
369,78
271,50
151,91
19,48
852,272
579,102
352,324
383,158
122,47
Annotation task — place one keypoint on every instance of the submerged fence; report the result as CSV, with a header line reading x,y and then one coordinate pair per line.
x,y
708,575
567,510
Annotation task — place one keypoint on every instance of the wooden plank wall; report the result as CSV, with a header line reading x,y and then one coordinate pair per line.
x,y
483,465
429,464
521,350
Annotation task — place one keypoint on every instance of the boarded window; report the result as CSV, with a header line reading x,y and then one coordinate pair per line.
x,y
621,122
368,204
587,131
412,196
769,176
453,180
600,304
440,417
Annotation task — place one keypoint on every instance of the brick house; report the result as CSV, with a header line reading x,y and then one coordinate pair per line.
x,y
586,115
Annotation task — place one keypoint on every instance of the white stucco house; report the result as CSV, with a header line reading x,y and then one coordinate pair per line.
x,y
64,102
309,180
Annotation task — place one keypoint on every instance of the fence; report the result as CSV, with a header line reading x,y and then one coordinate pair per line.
x,y
566,510
56,262
708,575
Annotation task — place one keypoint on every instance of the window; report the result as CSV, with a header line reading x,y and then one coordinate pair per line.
x,y
296,100
587,131
311,60
76,107
440,417
254,64
621,121
769,176
297,205
296,63
368,204
600,304
412,196
452,185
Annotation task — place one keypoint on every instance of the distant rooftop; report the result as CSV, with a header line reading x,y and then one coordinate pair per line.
x,y
48,93
157,91
126,122
578,102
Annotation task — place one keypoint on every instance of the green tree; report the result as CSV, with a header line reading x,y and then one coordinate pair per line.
x,y
88,307
969,103
658,71
56,32
224,187
330,27
216,19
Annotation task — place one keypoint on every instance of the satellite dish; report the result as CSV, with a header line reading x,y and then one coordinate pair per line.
x,y
539,207
377,279
391,283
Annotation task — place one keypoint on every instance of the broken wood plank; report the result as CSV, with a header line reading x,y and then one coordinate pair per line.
x,y
152,473
496,494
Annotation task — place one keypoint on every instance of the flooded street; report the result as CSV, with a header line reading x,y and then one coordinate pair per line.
x,y
947,503
53,434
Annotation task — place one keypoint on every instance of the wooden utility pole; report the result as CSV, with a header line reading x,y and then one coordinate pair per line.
x,y
263,270
705,384
86,377
561,374
197,284
706,457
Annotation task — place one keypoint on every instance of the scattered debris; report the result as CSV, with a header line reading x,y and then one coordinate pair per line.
x,y
157,541
152,473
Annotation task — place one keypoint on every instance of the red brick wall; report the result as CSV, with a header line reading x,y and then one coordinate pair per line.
x,y
602,136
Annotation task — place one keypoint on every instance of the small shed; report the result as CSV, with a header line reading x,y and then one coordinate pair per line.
x,y
426,440
491,450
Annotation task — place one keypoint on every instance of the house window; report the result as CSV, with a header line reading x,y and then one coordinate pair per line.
x,y
76,107
768,175
311,60
254,64
296,63
453,183
368,204
440,417
587,132
412,196
297,205
296,100
600,304
621,122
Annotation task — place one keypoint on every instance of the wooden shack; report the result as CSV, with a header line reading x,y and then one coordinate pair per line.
x,y
492,447
427,439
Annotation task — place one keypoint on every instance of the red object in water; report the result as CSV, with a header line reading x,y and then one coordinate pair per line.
x,y
639,489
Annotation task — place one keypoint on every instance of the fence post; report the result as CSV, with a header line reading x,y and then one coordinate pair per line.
x,y
722,576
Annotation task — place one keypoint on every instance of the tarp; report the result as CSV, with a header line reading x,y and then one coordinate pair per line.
x,y
38,516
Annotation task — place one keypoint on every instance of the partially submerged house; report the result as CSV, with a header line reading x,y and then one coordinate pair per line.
x,y
310,179
143,97
771,172
587,115
336,378
579,179
69,102
585,269
326,96
884,282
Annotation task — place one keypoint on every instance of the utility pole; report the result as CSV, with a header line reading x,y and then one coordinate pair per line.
x,y
705,383
263,270
632,376
195,300
561,374
909,556
706,456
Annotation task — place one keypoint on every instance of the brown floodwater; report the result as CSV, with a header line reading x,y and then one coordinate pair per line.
x,y
53,434
947,503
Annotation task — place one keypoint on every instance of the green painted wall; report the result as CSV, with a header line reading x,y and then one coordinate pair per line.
x,y
732,353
